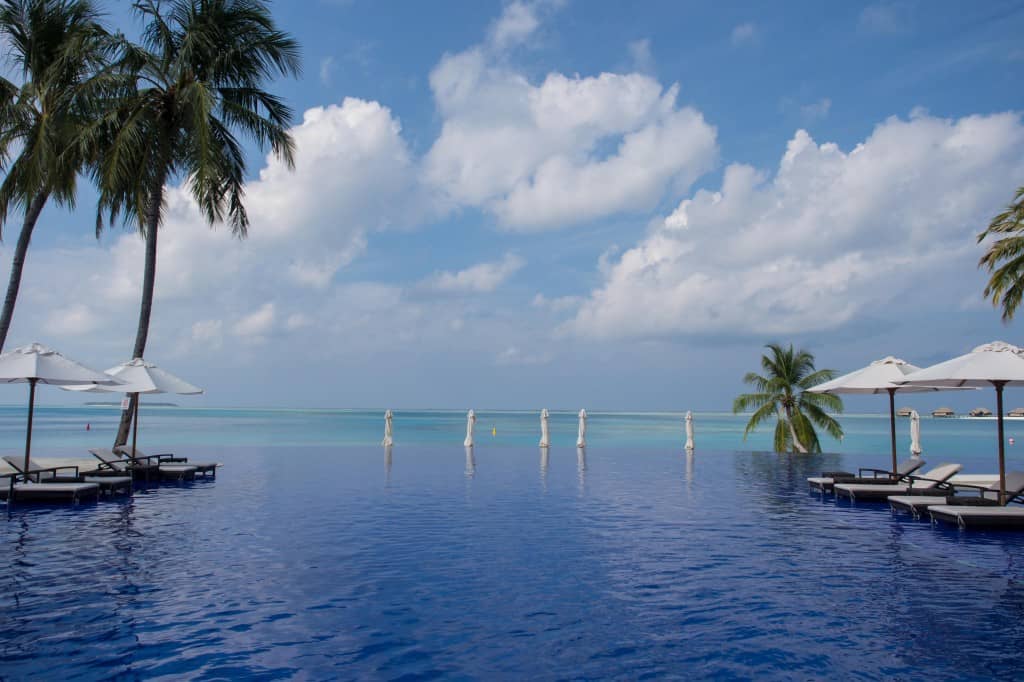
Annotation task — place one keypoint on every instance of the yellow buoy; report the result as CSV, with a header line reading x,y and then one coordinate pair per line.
x,y
494,430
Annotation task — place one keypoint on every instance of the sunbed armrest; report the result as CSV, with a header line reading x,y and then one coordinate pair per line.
x,y
980,489
874,472
939,485
147,458
53,470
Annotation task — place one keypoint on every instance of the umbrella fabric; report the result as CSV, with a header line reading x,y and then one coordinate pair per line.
x,y
878,377
981,368
915,433
545,440
689,430
142,373
581,437
997,364
36,364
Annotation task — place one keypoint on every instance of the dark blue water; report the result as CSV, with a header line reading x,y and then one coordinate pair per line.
x,y
339,562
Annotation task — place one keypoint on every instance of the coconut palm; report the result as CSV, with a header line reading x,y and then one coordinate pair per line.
x,y
782,393
1004,258
200,75
60,51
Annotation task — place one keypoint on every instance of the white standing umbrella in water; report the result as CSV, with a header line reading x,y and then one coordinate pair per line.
x,y
915,433
581,438
140,377
388,437
881,376
545,440
997,364
36,364
689,430
470,421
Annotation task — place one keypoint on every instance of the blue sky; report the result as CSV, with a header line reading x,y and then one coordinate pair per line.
x,y
577,204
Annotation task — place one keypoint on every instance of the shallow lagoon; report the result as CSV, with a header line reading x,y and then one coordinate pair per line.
x,y
320,562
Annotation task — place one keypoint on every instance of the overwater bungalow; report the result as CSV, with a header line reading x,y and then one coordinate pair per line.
x,y
944,412
980,412
1016,412
904,411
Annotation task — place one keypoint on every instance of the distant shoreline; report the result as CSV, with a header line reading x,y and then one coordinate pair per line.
x,y
118,404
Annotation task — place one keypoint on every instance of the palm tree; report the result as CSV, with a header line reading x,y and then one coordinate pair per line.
x,y
1004,258
199,77
61,51
782,393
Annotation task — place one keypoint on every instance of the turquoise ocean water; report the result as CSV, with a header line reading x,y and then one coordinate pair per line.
x,y
61,431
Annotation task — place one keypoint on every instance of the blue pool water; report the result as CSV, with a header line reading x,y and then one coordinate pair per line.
x,y
316,555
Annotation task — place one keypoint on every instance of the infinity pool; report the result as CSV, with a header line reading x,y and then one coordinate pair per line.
x,y
320,563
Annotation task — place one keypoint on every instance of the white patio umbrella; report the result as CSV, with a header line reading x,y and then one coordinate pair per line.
x,y
388,436
470,421
689,430
36,364
581,437
545,440
915,433
141,377
881,376
997,364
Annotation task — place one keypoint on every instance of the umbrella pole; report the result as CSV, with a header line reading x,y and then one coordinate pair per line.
x,y
135,426
28,434
892,425
1002,446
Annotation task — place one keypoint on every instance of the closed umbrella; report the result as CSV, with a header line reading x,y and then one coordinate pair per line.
x,y
881,376
388,436
36,364
581,438
470,421
997,364
915,433
689,430
545,440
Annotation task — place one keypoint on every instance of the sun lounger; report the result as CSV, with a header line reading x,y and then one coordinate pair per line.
x,y
68,473
202,468
11,489
970,517
984,496
828,479
145,466
932,480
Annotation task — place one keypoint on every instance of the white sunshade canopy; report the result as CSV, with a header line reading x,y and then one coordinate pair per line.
x,y
36,362
139,376
880,376
996,362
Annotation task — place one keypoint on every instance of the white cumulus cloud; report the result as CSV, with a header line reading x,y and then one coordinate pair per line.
x,y
480,278
830,236
564,151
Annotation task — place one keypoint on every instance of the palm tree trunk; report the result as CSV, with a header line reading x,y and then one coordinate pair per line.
x,y
156,199
797,445
18,263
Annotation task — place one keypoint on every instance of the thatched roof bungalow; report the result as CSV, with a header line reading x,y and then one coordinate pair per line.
x,y
1016,412
904,411
944,412
980,412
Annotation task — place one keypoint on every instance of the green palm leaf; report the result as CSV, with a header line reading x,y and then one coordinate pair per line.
x,y
781,393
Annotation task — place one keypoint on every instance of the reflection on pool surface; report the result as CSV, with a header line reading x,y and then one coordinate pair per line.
x,y
344,562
